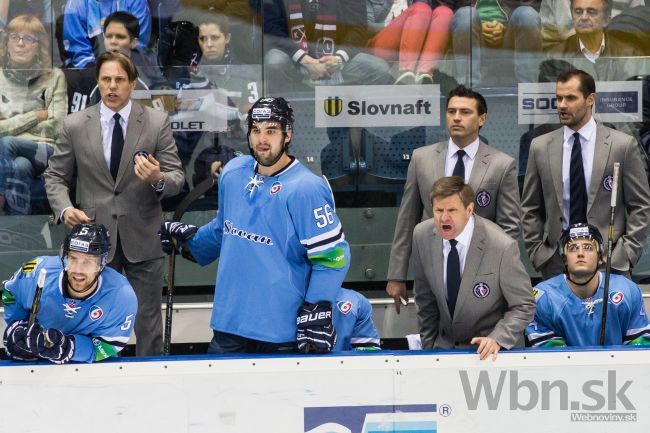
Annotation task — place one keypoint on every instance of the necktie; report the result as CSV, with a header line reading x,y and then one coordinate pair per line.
x,y
453,276
459,168
117,144
578,189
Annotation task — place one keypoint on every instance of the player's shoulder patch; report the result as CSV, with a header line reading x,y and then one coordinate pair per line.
x,y
27,270
538,293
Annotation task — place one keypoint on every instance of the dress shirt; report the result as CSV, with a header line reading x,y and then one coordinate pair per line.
x,y
588,145
464,239
468,159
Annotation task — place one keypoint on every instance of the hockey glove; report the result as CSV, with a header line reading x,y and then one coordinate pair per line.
x,y
316,333
15,342
179,232
50,344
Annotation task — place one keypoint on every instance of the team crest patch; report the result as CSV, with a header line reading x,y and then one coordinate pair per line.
x,y
70,309
95,313
344,306
29,267
537,293
608,183
483,198
616,297
275,188
481,290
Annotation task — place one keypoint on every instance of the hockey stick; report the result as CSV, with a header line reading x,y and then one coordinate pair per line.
x,y
197,192
610,241
37,297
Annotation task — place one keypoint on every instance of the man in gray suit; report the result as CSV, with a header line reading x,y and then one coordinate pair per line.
x,y
126,162
470,285
569,180
491,173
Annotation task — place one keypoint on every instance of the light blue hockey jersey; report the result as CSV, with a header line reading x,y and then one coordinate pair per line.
x,y
564,319
279,243
353,322
101,324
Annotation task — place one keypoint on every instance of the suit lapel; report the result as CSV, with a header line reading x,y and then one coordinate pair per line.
x,y
96,147
601,156
554,152
133,132
472,262
439,160
480,166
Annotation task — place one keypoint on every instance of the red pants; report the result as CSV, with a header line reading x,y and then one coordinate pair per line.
x,y
417,38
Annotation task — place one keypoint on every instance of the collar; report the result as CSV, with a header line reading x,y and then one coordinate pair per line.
x,y
292,163
586,132
107,113
465,237
470,149
586,52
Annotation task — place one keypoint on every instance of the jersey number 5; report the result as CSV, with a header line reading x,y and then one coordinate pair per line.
x,y
323,216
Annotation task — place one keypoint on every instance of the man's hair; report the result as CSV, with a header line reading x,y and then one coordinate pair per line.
x,y
124,61
465,92
587,83
29,24
220,20
451,185
129,22
607,9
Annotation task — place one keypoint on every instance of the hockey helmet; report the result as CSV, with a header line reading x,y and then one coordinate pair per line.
x,y
90,239
271,109
581,231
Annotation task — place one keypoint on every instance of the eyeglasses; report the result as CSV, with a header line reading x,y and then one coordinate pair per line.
x,y
27,39
575,247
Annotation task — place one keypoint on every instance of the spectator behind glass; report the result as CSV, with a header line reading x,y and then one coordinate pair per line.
x,y
299,54
41,9
32,107
557,23
512,27
592,49
416,35
82,27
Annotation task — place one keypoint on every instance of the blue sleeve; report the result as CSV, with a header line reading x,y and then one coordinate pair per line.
x,y
75,34
16,292
140,10
636,328
540,332
365,335
205,246
321,234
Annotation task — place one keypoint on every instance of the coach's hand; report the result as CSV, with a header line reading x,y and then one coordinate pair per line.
x,y
316,333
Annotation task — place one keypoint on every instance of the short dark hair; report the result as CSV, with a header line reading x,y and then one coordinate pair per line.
x,y
587,83
465,92
220,20
607,9
127,20
124,61
450,185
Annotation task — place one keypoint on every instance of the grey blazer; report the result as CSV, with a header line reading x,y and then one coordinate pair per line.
x,y
128,207
542,198
493,179
495,297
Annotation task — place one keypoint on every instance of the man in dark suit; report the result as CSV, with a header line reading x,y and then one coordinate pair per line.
x,y
569,180
470,285
491,173
126,162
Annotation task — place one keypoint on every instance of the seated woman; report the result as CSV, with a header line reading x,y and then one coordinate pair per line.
x,y
416,33
32,108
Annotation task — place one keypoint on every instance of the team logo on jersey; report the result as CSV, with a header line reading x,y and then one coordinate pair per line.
x,y
537,293
254,183
70,309
616,297
275,188
481,290
96,312
483,198
608,182
333,106
344,306
29,267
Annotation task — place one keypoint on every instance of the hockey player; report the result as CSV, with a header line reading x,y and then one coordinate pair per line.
x,y
86,311
280,245
353,323
569,305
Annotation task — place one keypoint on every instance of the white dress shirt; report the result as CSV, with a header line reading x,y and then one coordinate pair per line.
x,y
464,239
588,146
108,123
592,57
468,158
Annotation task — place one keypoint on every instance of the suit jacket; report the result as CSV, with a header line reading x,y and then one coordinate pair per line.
x,y
127,206
495,298
542,196
493,178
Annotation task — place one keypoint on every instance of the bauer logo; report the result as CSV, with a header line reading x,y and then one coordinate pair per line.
x,y
419,418
366,106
